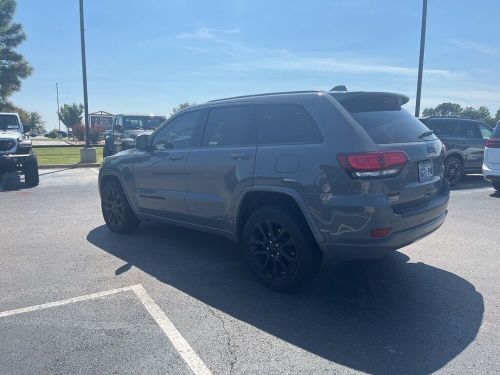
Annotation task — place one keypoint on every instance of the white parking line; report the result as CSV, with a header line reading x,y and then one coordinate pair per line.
x,y
178,341
175,337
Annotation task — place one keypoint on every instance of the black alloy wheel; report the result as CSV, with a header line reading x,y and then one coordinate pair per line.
x,y
116,210
280,250
274,250
453,170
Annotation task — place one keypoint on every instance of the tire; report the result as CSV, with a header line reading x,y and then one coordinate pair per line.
x,y
116,210
282,254
496,185
453,169
30,170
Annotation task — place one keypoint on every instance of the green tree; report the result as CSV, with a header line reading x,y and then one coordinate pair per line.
x,y
33,119
71,115
13,67
180,107
497,116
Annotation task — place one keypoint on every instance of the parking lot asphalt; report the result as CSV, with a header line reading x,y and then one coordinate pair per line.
x,y
431,307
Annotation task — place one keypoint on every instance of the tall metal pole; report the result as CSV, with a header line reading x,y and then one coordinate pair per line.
x,y
421,58
84,73
58,108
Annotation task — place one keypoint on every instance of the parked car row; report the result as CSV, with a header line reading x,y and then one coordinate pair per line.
x,y
290,176
471,147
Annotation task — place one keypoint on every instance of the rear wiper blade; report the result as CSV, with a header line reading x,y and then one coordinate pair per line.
x,y
426,134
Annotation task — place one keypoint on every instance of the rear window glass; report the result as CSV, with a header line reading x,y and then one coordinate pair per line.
x,y
496,132
384,120
286,124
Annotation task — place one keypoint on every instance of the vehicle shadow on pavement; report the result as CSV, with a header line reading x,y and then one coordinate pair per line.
x,y
382,317
472,181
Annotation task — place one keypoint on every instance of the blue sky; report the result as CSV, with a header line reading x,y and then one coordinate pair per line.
x,y
146,56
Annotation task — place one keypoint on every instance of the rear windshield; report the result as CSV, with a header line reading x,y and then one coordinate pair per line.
x,y
384,120
496,132
8,122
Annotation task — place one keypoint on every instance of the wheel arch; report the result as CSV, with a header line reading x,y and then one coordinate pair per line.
x,y
107,177
272,196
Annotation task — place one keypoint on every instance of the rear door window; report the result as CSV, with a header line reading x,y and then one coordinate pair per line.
x,y
286,124
443,128
383,119
468,129
229,126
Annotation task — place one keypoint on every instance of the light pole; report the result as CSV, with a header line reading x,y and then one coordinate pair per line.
x,y
84,73
421,58
58,108
87,153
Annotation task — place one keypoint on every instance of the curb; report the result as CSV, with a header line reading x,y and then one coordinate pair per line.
x,y
69,166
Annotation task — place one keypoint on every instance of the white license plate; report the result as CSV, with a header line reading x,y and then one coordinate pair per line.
x,y
425,170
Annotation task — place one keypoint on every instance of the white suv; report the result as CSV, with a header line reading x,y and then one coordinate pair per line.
x,y
491,164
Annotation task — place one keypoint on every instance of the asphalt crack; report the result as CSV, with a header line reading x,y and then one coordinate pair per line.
x,y
229,344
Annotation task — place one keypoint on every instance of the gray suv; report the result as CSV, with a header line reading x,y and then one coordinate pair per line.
x,y
464,140
290,176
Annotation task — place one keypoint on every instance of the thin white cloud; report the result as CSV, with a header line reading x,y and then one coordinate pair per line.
x,y
244,58
477,47
206,33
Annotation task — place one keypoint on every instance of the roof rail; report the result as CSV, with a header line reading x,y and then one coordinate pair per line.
x,y
267,94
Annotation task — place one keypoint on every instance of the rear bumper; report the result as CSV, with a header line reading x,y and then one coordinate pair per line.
x,y
364,251
492,175
407,226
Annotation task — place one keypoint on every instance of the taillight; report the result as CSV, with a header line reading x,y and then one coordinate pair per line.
x,y
493,143
373,164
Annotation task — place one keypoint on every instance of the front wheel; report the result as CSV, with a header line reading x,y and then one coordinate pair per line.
x,y
280,250
453,170
30,169
496,185
116,210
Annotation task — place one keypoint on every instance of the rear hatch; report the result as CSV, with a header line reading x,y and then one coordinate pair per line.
x,y
492,150
413,182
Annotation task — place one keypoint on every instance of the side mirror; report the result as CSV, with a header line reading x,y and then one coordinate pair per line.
x,y
142,142
26,128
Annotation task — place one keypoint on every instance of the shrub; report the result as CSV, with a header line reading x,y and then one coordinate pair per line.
x,y
96,133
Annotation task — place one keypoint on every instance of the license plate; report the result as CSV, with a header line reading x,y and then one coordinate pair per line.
x,y
425,170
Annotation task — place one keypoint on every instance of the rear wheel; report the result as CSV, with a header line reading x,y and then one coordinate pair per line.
x,y
453,170
30,170
116,210
280,251
496,185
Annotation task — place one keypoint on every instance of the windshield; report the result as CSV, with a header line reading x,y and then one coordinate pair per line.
x,y
142,122
8,122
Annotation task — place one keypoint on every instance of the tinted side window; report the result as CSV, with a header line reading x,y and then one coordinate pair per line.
x,y
442,127
229,126
468,129
286,124
178,133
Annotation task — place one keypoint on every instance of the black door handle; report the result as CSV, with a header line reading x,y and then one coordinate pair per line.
x,y
239,156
